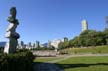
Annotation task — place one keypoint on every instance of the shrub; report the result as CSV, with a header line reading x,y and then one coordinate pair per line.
x,y
63,52
19,61
1,49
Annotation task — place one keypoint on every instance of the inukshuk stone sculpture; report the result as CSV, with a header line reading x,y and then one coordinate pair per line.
x,y
11,33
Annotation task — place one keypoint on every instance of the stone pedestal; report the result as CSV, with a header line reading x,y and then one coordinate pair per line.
x,y
10,46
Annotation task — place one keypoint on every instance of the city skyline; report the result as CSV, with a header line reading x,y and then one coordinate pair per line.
x,y
45,20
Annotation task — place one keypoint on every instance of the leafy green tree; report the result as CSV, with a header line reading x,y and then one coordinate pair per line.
x,y
90,38
61,45
106,35
74,42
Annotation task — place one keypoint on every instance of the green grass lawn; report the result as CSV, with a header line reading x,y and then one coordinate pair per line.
x,y
93,50
89,63
85,64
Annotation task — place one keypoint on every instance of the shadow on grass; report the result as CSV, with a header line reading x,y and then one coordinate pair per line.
x,y
39,66
66,66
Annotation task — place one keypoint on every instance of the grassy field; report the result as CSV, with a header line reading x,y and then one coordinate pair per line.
x,y
89,63
93,50
84,64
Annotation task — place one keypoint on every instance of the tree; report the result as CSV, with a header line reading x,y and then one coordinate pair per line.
x,y
61,45
74,42
106,35
90,38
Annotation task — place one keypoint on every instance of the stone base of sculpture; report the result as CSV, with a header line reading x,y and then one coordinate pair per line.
x,y
10,46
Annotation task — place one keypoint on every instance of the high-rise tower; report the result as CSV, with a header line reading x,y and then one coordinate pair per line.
x,y
84,25
106,22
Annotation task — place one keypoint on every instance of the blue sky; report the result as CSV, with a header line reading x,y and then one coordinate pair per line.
x,y
45,20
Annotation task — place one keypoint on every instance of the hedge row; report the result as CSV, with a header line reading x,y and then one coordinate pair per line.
x,y
20,61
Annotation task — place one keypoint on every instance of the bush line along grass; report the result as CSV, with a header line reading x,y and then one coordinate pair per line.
x,y
93,50
20,61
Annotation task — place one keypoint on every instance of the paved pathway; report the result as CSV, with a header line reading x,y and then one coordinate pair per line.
x,y
50,66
